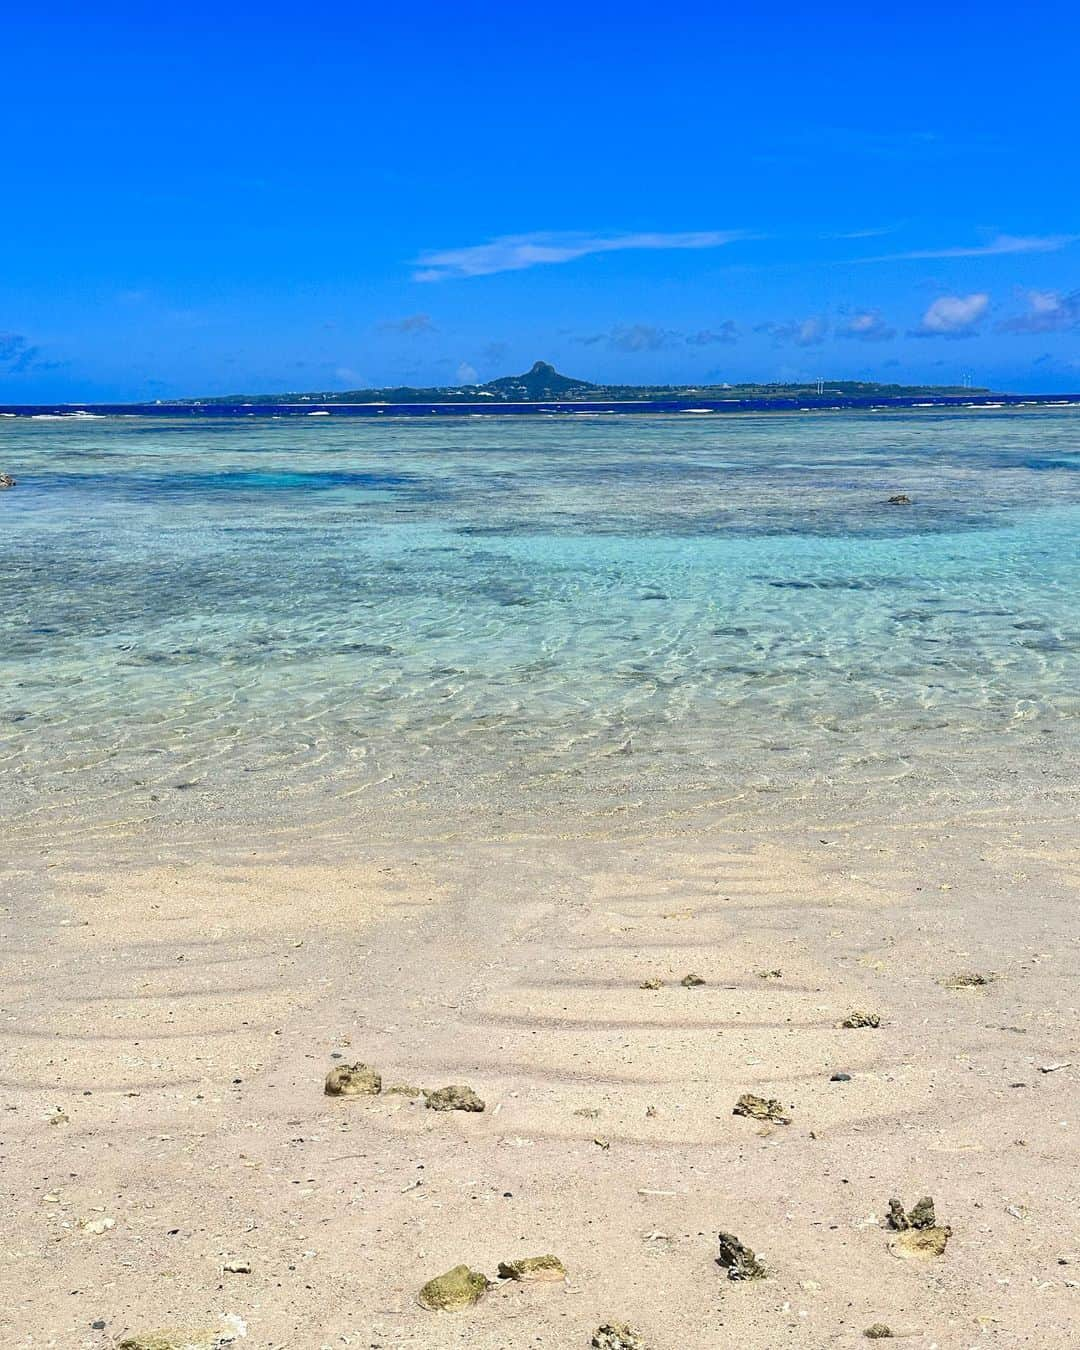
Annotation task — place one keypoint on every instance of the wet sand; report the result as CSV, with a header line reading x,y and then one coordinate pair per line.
x,y
175,1018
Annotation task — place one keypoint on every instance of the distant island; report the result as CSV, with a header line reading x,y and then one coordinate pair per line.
x,y
543,383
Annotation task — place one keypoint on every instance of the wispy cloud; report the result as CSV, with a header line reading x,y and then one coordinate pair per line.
x,y
647,337
708,337
412,325
467,374
1000,244
17,354
867,325
953,316
809,332
1047,312
515,252
634,337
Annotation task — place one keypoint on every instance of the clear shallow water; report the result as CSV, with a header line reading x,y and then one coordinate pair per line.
x,y
281,621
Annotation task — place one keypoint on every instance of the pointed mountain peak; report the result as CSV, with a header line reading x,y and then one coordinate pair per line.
x,y
542,381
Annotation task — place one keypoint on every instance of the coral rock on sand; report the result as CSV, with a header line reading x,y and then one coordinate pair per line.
x,y
738,1260
177,1338
972,979
920,1243
402,1090
533,1270
921,1214
761,1108
691,981
652,984
617,1336
919,1235
859,1018
458,1288
352,1080
456,1097
878,1331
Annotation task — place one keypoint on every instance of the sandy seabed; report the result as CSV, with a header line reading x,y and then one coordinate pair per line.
x,y
169,1016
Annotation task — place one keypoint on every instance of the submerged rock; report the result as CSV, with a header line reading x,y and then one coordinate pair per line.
x,y
738,1259
617,1336
900,499
878,1331
860,1018
352,1080
533,1270
458,1288
761,1108
691,981
6,481
456,1097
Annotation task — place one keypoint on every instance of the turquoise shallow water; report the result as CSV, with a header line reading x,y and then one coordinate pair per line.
x,y
280,621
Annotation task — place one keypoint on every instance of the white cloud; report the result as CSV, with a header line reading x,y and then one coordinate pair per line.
x,y
867,325
1048,312
1001,243
953,315
466,374
513,253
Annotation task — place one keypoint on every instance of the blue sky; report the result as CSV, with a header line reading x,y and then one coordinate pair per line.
x,y
234,197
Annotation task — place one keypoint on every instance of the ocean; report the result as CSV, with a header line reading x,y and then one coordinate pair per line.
x,y
339,624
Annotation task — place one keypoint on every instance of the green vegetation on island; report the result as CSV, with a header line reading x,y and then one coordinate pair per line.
x,y
543,383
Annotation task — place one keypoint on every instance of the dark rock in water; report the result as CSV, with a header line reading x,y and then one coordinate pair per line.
x,y
691,981
901,499
761,1108
860,1018
352,1080
878,1331
738,1260
840,1078
6,481
533,1270
617,1336
458,1288
456,1097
